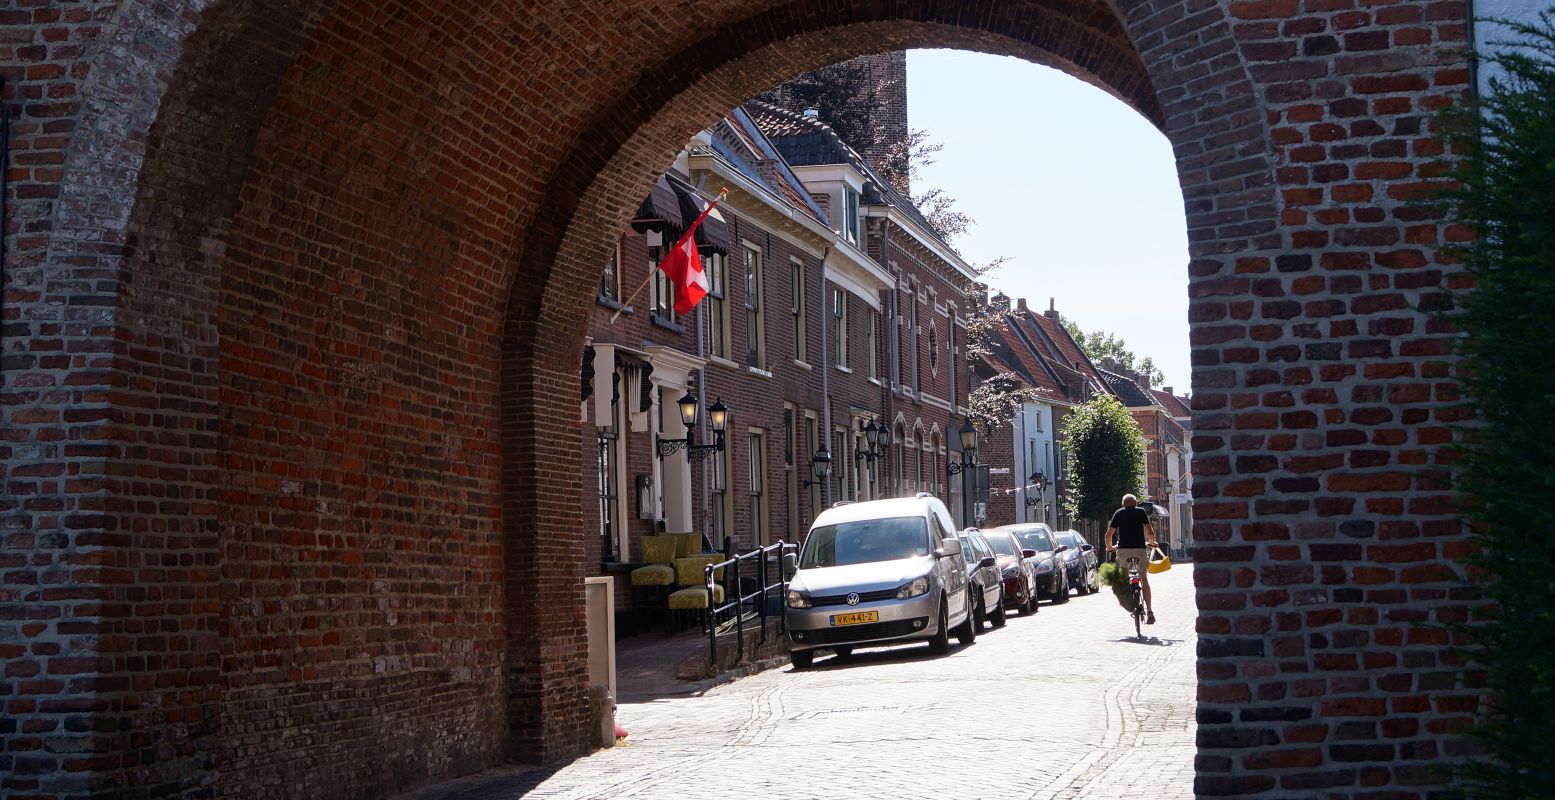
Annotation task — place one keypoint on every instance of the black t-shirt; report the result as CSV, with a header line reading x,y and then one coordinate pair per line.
x,y
1130,523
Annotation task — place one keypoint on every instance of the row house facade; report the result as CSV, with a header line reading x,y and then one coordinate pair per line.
x,y
832,308
1165,452
1179,468
1029,470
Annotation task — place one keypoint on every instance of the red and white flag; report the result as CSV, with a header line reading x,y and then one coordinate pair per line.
x,y
683,266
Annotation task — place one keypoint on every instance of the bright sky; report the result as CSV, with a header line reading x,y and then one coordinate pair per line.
x,y
1079,190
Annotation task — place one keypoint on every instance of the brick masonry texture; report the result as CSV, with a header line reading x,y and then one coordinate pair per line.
x,y
294,296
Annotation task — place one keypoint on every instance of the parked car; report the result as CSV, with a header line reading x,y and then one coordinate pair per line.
x,y
1018,566
1047,566
985,582
1080,562
879,572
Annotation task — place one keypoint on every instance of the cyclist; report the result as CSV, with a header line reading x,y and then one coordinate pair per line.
x,y
1129,534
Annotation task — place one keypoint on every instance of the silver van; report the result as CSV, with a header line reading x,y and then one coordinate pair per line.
x,y
878,572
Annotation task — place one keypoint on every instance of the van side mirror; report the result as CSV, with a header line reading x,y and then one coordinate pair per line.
x,y
988,561
948,548
1028,553
791,562
1087,547
1061,548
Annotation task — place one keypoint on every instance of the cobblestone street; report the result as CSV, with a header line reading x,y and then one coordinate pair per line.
x,y
1064,704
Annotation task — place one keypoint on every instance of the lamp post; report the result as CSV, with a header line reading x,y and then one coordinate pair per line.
x,y
968,436
719,414
877,438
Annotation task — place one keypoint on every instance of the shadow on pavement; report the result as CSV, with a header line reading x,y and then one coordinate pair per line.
x,y
916,651
499,783
1150,640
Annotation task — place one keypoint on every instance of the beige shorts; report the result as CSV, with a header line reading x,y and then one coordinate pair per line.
x,y
1142,553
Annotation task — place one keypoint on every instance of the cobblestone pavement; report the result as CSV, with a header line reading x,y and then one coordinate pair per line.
x,y
1064,704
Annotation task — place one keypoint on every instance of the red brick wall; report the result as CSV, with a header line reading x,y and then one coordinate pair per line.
x,y
293,309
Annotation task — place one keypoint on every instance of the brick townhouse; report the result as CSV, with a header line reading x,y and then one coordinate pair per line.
x,y
1034,351
833,307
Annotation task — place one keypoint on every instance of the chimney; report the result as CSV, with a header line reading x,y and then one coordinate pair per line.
x,y
1144,383
1169,391
1021,304
1052,310
1000,302
767,169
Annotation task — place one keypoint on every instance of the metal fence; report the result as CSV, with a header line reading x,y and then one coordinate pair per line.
x,y
750,591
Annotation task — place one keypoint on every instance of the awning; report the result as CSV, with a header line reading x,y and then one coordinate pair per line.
x,y
713,234
661,212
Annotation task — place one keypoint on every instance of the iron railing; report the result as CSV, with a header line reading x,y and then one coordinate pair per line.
x,y
751,571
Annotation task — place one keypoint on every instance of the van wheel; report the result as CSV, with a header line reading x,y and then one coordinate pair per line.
x,y
940,643
966,632
802,658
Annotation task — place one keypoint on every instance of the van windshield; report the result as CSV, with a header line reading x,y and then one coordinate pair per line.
x,y
865,540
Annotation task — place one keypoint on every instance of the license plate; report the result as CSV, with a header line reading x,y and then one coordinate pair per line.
x,y
858,618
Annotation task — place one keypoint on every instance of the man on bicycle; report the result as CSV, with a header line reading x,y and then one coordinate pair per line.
x,y
1129,534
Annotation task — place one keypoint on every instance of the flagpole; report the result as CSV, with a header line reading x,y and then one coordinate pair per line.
x,y
724,192
629,300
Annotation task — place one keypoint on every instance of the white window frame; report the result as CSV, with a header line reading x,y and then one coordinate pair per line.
x,y
717,302
796,289
755,309
839,320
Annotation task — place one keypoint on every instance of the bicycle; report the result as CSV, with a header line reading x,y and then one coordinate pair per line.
x,y
1137,592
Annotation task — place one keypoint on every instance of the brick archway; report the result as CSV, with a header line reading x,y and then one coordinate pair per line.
x,y
347,249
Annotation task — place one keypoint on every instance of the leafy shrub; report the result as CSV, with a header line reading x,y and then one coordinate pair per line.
x,y
1115,578
1106,453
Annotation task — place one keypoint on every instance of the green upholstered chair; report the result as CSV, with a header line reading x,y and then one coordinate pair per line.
x,y
691,575
694,598
659,555
687,544
652,583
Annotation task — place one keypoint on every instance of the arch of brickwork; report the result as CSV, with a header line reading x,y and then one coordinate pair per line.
x,y
294,298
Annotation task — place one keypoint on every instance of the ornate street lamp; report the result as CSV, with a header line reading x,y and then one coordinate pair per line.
x,y
719,414
1037,481
968,449
820,466
876,439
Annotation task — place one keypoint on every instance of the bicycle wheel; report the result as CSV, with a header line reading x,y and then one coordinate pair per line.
x,y
1138,615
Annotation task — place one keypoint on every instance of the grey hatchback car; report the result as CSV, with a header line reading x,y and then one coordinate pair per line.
x,y
876,573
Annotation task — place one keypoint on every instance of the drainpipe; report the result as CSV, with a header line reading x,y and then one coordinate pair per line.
x,y
888,386
836,458
5,167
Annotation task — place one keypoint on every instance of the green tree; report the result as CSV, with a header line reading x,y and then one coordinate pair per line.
x,y
1106,452
1099,345
1506,194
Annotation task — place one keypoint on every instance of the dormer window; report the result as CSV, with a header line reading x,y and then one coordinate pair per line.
x,y
850,216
